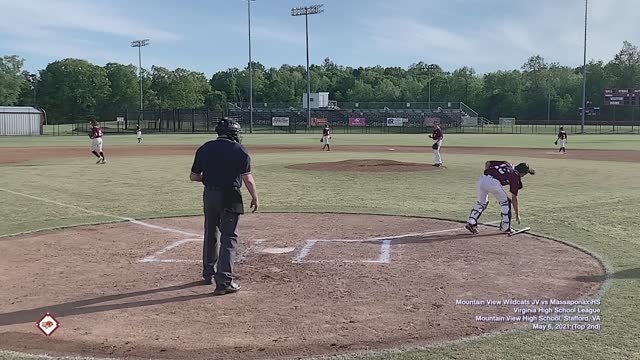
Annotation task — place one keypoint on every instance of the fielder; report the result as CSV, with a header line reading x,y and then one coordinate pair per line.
x,y
96,142
437,137
562,138
326,137
139,134
496,175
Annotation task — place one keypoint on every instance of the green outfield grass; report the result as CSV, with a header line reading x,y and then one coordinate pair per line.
x,y
593,204
610,142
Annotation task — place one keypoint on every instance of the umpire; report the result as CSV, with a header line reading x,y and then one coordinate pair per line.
x,y
222,165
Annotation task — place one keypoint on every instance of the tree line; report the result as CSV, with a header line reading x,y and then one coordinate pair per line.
x,y
75,89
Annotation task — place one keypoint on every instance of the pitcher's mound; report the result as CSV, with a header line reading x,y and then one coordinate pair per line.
x,y
366,165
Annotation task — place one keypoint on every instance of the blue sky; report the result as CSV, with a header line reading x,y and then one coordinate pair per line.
x,y
211,35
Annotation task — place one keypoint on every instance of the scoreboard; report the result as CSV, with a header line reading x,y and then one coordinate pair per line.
x,y
622,97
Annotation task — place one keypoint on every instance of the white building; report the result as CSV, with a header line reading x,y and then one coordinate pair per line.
x,y
21,120
318,100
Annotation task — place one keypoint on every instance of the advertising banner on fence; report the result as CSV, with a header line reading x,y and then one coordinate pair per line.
x,y
396,121
318,121
357,121
279,121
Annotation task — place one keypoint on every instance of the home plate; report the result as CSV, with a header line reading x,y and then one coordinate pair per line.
x,y
283,250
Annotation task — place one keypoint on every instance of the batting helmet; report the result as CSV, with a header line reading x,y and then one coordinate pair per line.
x,y
229,128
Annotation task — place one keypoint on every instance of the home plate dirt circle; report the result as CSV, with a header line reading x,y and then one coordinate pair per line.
x,y
312,284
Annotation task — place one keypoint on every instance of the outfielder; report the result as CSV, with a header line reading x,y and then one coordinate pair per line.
x,y
437,137
496,175
139,134
562,138
96,142
326,138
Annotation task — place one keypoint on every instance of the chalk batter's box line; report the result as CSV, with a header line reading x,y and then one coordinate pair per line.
x,y
385,247
258,243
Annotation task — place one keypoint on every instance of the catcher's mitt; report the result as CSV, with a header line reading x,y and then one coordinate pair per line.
x,y
434,146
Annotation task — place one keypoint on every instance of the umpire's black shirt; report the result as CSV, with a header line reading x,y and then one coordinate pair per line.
x,y
222,162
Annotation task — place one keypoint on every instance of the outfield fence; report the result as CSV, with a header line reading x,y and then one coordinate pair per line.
x,y
454,119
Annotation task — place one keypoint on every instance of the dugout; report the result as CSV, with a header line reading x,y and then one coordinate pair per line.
x,y
21,120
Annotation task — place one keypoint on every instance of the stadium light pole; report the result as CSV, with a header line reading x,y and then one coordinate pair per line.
x,y
250,70
33,78
306,11
139,44
430,68
584,67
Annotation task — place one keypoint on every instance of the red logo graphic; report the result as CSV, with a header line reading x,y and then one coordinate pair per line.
x,y
48,324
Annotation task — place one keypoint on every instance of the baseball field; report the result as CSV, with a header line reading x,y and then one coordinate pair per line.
x,y
355,253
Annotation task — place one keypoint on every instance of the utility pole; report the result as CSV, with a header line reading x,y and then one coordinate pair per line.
x,y
250,71
584,67
430,69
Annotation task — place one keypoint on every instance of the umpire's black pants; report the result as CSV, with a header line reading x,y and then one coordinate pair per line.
x,y
221,226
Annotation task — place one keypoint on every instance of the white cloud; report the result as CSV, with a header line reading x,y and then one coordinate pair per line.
x,y
502,34
68,28
273,33
35,17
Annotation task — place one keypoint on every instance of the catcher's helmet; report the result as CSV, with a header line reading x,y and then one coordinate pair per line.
x,y
523,168
229,128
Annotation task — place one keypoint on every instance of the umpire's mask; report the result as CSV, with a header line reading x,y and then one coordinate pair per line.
x,y
230,129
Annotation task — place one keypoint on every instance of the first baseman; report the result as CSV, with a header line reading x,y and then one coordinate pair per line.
x,y
562,139
96,142
437,137
496,175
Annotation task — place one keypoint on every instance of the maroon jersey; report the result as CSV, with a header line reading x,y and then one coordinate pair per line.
x,y
437,134
326,132
504,172
562,135
96,132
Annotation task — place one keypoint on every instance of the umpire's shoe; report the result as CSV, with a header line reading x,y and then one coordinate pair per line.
x,y
227,289
207,280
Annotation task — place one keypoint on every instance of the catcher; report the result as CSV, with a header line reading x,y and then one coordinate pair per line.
x,y
496,175
562,138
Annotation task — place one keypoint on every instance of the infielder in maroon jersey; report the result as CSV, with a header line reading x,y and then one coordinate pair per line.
x,y
437,137
562,138
326,137
496,175
96,142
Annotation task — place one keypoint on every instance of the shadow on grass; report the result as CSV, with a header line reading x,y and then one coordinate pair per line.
x,y
82,306
624,274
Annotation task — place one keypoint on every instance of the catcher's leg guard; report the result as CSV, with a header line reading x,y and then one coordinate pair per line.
x,y
505,209
476,212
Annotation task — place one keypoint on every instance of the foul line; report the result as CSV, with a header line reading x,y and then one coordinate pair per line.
x,y
131,220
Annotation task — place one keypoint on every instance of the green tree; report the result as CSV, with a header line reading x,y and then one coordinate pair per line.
x,y
125,87
625,67
73,89
502,94
11,79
